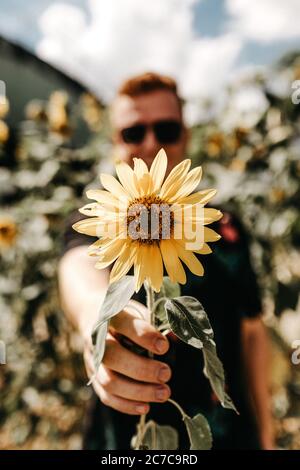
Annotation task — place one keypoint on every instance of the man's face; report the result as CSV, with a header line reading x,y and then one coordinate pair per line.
x,y
150,111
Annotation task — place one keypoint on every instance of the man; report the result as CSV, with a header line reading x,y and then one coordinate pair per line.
x,y
147,115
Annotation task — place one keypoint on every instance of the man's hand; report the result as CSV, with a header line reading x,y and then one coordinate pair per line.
x,y
127,381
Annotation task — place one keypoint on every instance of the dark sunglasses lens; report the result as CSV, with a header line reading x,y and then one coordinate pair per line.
x,y
167,132
134,134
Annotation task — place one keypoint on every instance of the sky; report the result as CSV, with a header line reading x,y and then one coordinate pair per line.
x,y
204,44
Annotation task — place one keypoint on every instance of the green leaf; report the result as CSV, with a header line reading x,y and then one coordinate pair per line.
x,y
168,290
158,437
99,347
189,321
199,432
214,371
117,297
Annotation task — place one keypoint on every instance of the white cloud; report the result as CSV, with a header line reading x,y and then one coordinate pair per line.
x,y
120,38
248,103
130,36
209,62
264,20
209,66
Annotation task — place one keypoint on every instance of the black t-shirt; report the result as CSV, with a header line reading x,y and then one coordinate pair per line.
x,y
229,292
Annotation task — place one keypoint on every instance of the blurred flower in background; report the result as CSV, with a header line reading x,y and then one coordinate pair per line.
x,y
8,231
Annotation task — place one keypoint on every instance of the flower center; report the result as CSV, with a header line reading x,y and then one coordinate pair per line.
x,y
149,219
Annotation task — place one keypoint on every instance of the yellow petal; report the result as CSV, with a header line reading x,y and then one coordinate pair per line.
x,y
128,179
139,267
199,197
109,252
196,214
175,179
204,250
93,226
124,262
103,197
110,183
140,168
148,266
154,267
190,183
158,169
145,185
108,236
186,212
93,249
188,257
103,214
92,209
103,264
99,227
211,215
191,232
172,263
210,235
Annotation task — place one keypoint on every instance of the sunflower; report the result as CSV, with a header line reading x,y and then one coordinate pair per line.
x,y
123,211
8,232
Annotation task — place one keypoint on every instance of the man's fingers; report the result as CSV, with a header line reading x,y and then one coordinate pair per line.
x,y
118,385
138,309
121,360
130,407
140,332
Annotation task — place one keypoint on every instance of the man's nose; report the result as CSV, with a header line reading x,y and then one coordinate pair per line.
x,y
150,143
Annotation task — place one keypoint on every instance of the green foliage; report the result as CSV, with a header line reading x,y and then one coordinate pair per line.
x,y
199,432
168,290
43,174
117,297
189,321
157,437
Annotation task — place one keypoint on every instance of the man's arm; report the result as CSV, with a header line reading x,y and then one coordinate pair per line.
x,y
125,381
82,288
257,357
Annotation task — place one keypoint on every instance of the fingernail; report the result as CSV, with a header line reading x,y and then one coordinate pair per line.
x,y
160,344
141,408
161,393
163,374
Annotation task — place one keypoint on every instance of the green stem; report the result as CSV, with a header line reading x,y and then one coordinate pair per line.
x,y
158,301
150,306
166,332
150,302
184,415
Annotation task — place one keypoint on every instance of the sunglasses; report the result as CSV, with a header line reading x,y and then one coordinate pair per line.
x,y
165,131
